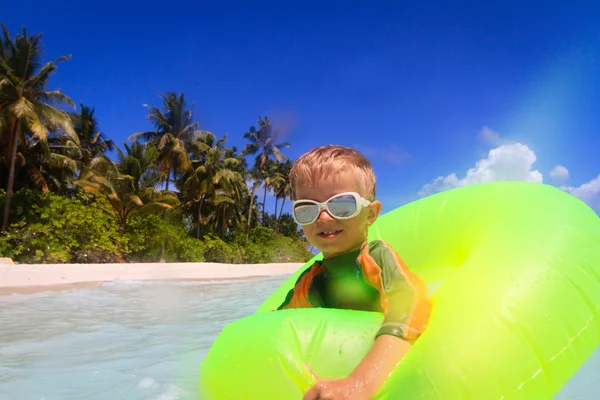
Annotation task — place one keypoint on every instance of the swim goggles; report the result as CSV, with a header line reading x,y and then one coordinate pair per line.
x,y
341,206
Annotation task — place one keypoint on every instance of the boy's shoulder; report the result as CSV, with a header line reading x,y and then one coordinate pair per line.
x,y
382,254
376,247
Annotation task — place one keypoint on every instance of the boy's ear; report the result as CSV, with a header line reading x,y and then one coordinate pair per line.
x,y
374,210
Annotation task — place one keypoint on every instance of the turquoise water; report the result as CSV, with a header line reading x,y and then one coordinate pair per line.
x,y
127,340
134,341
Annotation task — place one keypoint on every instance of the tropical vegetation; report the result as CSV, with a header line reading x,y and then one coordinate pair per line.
x,y
174,192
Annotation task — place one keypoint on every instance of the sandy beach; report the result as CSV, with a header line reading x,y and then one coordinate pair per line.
x,y
32,278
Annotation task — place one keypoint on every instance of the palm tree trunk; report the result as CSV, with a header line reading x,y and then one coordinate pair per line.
x,y
280,212
199,219
282,204
223,224
163,246
264,201
168,174
11,171
250,212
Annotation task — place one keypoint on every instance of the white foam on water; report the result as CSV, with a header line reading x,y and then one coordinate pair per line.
x,y
172,393
124,282
147,383
193,282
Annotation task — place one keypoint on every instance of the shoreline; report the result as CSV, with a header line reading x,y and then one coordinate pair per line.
x,y
35,278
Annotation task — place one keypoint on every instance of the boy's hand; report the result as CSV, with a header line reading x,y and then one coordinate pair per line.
x,y
337,389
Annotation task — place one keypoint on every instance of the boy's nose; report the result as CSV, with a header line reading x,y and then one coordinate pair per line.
x,y
324,215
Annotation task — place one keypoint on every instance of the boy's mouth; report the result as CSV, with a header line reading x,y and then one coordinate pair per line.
x,y
329,234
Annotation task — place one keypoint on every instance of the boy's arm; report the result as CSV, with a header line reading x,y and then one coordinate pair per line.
x,y
407,312
378,364
368,377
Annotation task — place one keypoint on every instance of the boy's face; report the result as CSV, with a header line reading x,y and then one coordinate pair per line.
x,y
350,233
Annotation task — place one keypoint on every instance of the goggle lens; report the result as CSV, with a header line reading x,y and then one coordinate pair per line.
x,y
342,206
306,212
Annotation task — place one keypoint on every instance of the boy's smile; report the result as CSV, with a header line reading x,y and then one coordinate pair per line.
x,y
329,234
332,236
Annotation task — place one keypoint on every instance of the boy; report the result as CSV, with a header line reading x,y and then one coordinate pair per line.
x,y
334,202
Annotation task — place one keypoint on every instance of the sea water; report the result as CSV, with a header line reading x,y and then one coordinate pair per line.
x,y
138,340
123,340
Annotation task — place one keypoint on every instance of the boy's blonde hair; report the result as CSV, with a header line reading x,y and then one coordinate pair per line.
x,y
324,161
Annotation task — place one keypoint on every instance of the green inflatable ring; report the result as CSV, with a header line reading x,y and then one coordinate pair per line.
x,y
513,271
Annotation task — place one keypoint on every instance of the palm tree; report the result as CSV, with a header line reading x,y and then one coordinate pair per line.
x,y
46,164
139,163
212,175
225,204
128,194
92,142
174,131
231,152
25,104
263,141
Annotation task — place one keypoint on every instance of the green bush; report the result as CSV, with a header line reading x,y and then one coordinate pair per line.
x,y
48,228
146,235
53,229
266,246
216,250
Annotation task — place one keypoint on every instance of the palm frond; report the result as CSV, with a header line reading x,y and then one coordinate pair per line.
x,y
39,81
150,180
37,178
277,153
231,162
222,199
4,83
37,127
251,136
55,119
160,120
183,160
59,161
167,140
199,147
8,72
22,108
56,97
284,145
134,199
150,135
190,129
251,148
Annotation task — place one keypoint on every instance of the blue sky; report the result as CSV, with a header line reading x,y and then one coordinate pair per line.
x,y
426,89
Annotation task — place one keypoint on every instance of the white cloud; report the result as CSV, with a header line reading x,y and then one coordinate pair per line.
x,y
589,192
490,136
509,162
514,162
559,174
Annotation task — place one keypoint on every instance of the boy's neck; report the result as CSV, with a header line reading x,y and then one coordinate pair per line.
x,y
351,250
